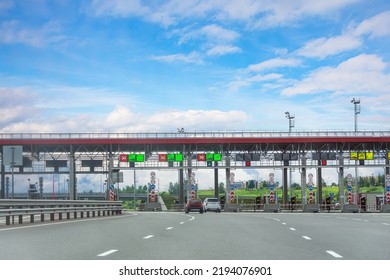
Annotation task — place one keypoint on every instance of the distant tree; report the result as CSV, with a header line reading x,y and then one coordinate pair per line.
x,y
221,187
173,188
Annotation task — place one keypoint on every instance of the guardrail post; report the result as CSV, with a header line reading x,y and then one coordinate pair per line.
x,y
20,219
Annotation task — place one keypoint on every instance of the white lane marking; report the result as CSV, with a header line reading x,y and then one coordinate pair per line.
x,y
283,223
149,236
276,219
334,254
169,228
386,224
292,228
182,223
192,218
107,253
306,237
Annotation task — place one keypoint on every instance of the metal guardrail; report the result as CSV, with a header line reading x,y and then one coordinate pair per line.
x,y
10,208
197,134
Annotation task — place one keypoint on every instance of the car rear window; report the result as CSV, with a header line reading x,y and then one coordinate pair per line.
x,y
212,200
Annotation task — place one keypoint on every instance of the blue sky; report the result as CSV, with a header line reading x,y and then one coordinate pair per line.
x,y
76,66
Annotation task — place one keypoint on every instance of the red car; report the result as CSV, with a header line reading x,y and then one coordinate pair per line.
x,y
194,205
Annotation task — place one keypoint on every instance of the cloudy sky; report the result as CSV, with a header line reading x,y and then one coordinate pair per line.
x,y
142,65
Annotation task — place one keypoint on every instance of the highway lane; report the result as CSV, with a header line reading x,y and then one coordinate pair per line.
x,y
230,236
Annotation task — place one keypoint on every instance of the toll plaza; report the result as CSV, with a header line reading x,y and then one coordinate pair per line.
x,y
185,151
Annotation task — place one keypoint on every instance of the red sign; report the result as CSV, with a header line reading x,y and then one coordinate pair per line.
x,y
162,157
201,157
388,197
123,158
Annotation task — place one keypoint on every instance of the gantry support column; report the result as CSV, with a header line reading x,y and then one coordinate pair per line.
x,y
72,175
109,179
285,185
227,179
2,188
181,184
303,180
188,187
341,181
319,184
216,188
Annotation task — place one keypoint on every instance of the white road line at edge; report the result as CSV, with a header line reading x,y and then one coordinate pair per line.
x,y
334,254
149,236
107,253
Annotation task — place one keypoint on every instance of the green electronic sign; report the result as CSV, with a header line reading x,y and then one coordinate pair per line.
x,y
136,158
174,157
213,157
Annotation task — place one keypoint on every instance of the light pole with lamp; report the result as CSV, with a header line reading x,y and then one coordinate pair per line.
x,y
291,122
356,103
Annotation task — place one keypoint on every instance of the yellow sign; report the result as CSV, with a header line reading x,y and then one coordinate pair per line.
x,y
354,155
361,155
369,155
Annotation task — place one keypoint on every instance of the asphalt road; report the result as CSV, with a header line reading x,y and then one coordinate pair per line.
x,y
209,236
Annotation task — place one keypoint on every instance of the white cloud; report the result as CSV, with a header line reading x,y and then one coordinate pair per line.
x,y
13,32
191,58
222,50
324,47
274,63
350,40
264,13
16,105
360,74
247,81
376,26
119,8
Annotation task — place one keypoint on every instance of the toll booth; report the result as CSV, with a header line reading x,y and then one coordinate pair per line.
x,y
222,201
363,204
328,203
33,192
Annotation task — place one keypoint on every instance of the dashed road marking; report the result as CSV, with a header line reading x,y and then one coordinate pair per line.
x,y
334,254
107,253
306,237
292,228
182,223
148,236
386,224
276,219
169,228
283,223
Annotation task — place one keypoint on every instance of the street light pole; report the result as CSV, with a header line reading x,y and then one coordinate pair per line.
x,y
356,103
291,123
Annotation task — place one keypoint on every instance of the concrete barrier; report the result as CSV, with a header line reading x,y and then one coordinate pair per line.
x,y
274,207
311,208
385,208
350,208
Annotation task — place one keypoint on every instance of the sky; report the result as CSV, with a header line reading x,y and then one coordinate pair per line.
x,y
143,65
95,65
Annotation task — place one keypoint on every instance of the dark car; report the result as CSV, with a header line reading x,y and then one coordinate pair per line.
x,y
194,205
